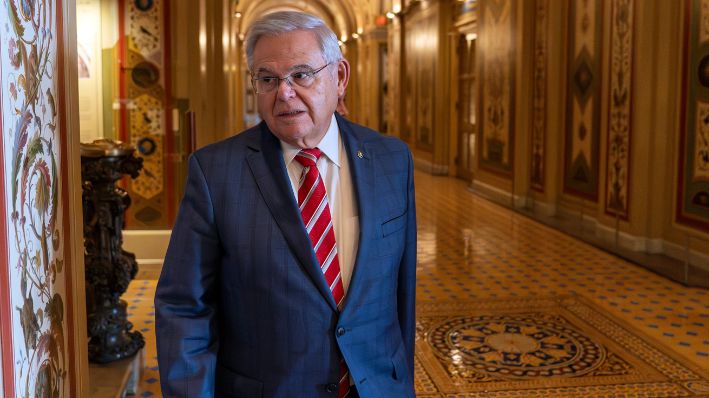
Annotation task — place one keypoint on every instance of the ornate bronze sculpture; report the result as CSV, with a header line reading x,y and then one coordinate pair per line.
x,y
109,268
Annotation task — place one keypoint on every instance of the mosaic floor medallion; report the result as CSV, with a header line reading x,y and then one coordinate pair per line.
x,y
542,347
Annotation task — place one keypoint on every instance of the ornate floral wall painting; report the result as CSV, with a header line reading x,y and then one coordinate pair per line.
x,y
497,49
32,145
539,96
693,178
145,82
583,112
620,108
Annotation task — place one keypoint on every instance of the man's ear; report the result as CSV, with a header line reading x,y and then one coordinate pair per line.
x,y
343,77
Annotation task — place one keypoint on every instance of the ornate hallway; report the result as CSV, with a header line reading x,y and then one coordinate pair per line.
x,y
510,308
589,115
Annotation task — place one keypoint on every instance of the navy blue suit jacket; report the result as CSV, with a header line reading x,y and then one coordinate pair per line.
x,y
242,307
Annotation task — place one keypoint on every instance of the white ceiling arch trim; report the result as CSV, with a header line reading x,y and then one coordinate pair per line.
x,y
337,14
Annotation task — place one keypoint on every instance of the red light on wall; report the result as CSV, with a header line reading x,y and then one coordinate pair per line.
x,y
381,20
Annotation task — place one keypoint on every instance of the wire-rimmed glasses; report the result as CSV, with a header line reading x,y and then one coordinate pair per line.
x,y
301,78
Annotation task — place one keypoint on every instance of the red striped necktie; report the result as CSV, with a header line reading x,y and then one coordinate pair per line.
x,y
315,210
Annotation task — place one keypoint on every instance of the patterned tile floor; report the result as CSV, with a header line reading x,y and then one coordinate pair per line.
x,y
471,250
141,313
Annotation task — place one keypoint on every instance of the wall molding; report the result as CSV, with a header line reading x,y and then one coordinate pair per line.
x,y
586,227
625,240
430,167
695,257
497,195
638,243
542,209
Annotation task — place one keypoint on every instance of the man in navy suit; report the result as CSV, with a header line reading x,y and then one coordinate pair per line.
x,y
292,264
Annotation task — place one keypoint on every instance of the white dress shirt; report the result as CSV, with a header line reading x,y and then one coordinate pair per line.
x,y
335,171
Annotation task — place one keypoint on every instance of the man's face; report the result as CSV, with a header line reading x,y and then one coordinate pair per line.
x,y
298,115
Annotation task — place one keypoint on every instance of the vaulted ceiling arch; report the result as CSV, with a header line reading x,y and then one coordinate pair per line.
x,y
341,15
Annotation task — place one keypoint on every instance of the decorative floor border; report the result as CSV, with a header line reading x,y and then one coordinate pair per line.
x,y
649,369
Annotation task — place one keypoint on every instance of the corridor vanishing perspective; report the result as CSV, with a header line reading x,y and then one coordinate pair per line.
x,y
507,307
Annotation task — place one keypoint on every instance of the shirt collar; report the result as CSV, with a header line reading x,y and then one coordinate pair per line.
x,y
329,145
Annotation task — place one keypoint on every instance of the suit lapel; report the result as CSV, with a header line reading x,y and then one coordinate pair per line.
x,y
269,171
361,161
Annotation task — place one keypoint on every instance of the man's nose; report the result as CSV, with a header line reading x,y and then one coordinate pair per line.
x,y
285,88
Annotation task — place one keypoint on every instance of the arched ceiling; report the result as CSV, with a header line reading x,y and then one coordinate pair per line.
x,y
343,16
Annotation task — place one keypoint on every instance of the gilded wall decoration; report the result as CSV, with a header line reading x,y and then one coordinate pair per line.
x,y
427,48
409,88
693,192
32,141
394,88
539,121
146,85
620,108
497,20
583,115
421,44
424,134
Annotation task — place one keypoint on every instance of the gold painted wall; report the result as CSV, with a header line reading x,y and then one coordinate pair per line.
x,y
395,73
497,50
638,114
424,79
505,69
621,114
583,99
693,176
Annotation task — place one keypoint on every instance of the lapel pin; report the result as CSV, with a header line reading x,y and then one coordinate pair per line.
x,y
360,154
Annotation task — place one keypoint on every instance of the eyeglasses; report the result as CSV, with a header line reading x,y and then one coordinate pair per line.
x,y
301,78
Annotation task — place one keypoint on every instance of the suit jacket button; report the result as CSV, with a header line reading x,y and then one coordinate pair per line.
x,y
340,332
332,387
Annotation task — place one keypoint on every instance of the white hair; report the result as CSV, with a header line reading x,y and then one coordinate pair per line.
x,y
281,22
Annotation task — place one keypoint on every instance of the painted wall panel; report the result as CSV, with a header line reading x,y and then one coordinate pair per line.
x,y
32,143
422,78
693,168
497,82
145,86
581,168
409,89
539,122
620,108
